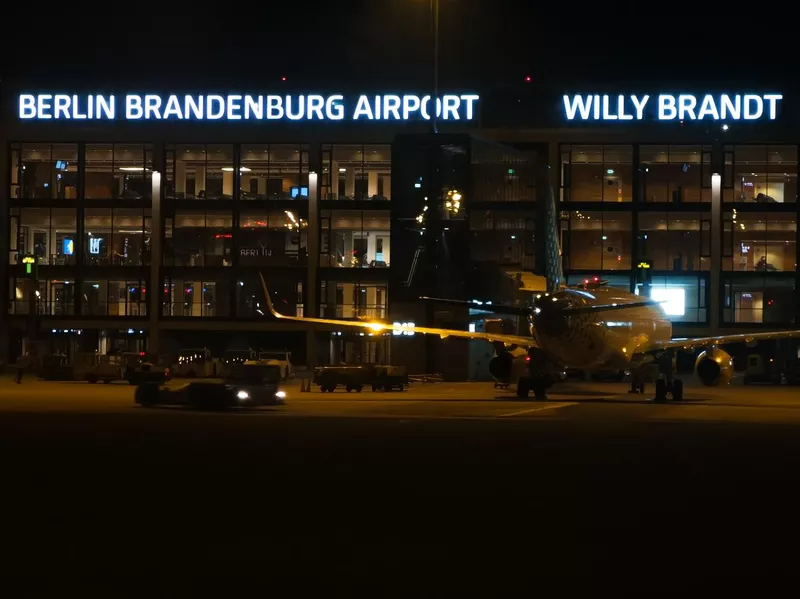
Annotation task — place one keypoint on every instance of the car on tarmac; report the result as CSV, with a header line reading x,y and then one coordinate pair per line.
x,y
251,384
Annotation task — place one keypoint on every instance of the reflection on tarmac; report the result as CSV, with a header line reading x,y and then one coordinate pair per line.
x,y
579,401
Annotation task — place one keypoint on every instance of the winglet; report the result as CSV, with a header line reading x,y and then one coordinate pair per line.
x,y
267,298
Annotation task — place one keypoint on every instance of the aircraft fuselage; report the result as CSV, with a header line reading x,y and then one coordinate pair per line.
x,y
597,340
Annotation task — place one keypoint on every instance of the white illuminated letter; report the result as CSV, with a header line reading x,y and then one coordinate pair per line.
x,y
133,106
423,108
469,99
597,107
27,106
451,104
580,105
410,104
173,108
215,107
107,106
274,107
749,114
254,106
152,106
315,104
334,110
621,115
301,105
686,105
61,106
363,108
772,103
42,105
639,106
76,108
607,116
391,107
195,107
666,107
731,110
233,108
708,108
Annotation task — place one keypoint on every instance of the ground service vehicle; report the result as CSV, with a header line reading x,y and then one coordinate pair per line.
x,y
206,395
356,377
279,358
195,363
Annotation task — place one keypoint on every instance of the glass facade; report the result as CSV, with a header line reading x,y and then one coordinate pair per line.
x,y
84,211
356,172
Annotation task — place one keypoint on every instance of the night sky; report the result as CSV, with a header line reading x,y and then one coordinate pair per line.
x,y
486,45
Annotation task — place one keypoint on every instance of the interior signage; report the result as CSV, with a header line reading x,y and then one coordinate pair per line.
x,y
670,107
245,107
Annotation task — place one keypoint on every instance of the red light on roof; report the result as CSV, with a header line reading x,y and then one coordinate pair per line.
x,y
141,353
586,281
283,78
595,279
527,78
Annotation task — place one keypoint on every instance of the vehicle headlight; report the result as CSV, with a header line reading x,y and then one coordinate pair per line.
x,y
280,394
243,395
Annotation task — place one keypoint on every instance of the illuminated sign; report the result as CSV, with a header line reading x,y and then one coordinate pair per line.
x,y
670,107
245,107
94,245
69,247
404,325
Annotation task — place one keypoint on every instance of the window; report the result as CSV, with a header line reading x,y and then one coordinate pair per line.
x,y
47,233
676,173
355,239
118,236
498,174
596,173
197,238
759,299
762,174
503,238
353,300
197,299
44,171
682,298
114,298
55,297
759,241
357,172
278,237
286,291
677,241
204,172
118,171
598,241
274,172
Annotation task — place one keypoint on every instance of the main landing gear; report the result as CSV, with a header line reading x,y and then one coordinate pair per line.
x,y
675,389
537,384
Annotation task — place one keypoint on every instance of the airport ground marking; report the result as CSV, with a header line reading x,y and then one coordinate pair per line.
x,y
537,409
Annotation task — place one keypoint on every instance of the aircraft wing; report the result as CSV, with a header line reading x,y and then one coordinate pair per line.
x,y
376,327
689,343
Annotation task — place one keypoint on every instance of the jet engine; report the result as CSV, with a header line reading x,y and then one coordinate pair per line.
x,y
714,367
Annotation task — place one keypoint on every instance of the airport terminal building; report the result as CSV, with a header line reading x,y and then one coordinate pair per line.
x,y
144,221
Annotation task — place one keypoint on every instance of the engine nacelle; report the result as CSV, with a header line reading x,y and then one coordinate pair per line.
x,y
501,366
714,367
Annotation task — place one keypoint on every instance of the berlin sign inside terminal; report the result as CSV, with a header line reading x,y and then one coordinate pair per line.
x,y
246,107
670,107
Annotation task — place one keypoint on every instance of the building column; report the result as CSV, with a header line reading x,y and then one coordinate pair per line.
x,y
155,284
715,293
312,282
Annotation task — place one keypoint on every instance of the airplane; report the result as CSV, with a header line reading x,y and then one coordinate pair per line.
x,y
591,327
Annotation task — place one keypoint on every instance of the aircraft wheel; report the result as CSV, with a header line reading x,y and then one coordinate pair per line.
x,y
522,388
677,390
661,391
146,395
91,378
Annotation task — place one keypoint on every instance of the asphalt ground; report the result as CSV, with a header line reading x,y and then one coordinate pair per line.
x,y
445,488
